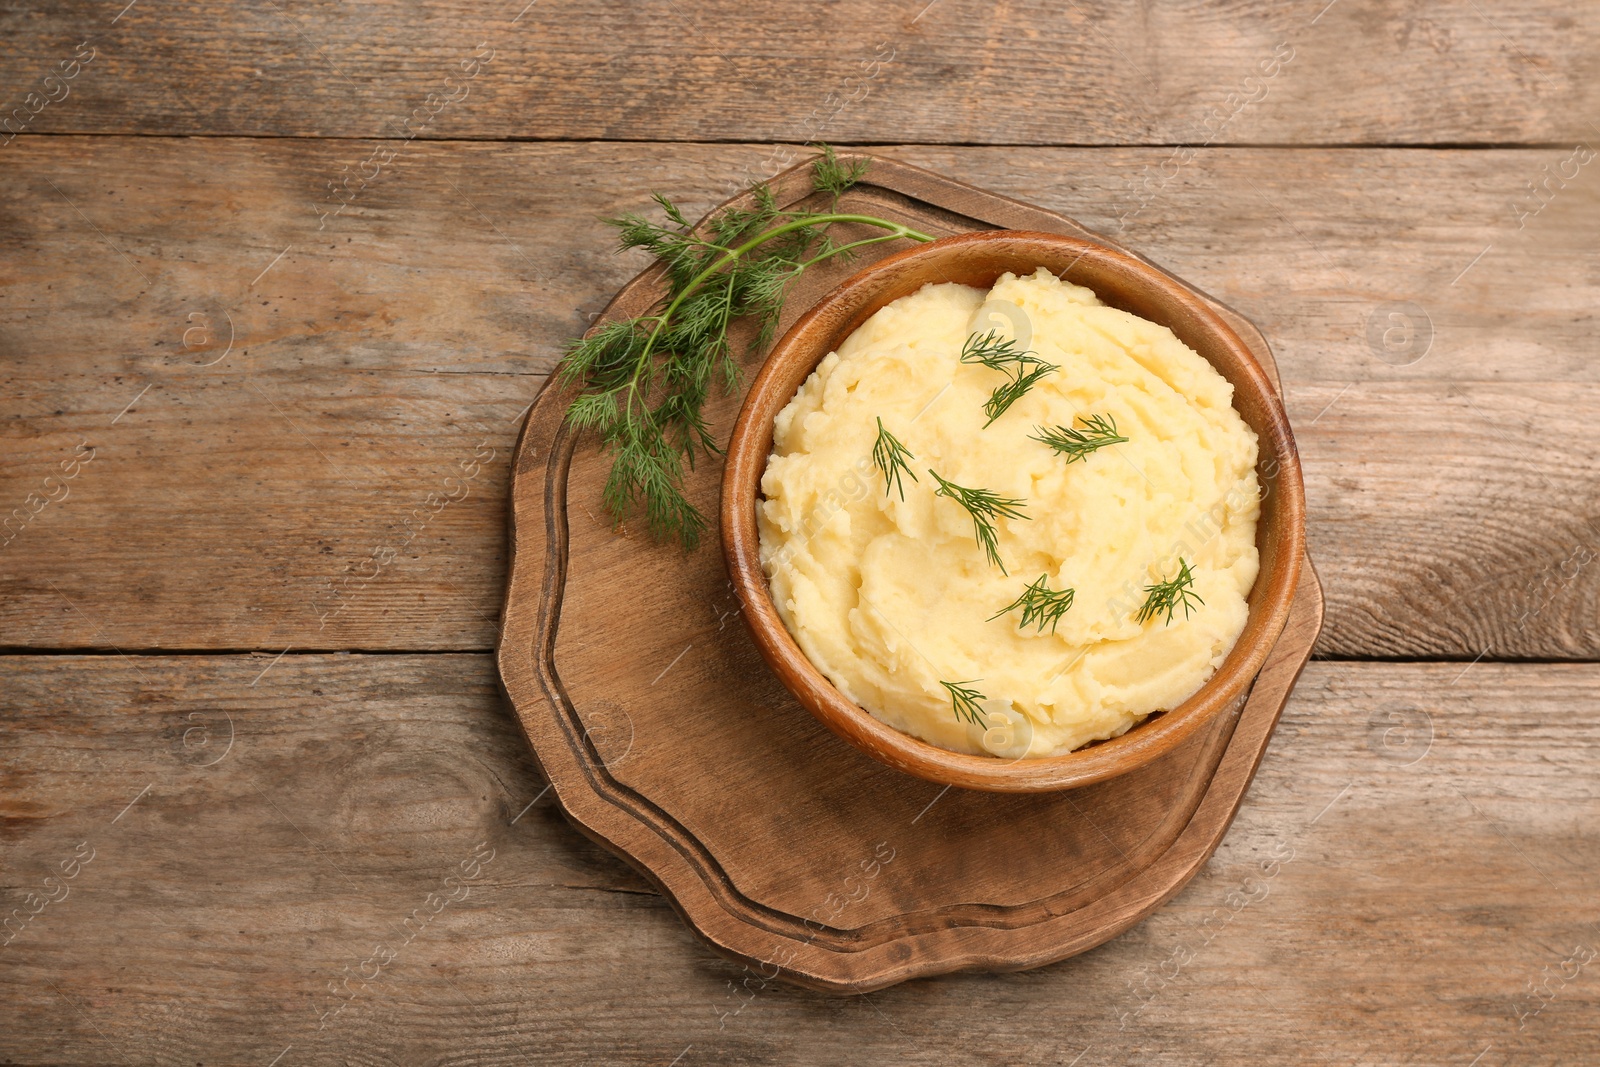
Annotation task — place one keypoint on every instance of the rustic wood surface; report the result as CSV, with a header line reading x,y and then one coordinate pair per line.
x,y
935,71
1416,852
1450,499
1398,206
871,886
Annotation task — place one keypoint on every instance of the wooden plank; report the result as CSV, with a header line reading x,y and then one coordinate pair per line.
x,y
978,892
1407,881
310,488
930,71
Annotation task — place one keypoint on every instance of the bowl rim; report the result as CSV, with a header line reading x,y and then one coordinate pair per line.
x,y
750,446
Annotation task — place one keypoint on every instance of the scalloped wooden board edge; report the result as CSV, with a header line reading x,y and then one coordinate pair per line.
x,y
726,920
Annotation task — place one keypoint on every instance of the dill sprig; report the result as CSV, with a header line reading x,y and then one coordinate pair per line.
x,y
984,506
995,351
1040,604
1170,595
964,701
830,176
1006,395
890,456
643,382
1076,444
1023,369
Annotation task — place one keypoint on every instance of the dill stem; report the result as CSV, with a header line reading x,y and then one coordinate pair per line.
x,y
757,241
862,243
733,254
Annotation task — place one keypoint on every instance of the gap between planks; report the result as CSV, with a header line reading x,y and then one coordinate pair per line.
x,y
261,653
1416,146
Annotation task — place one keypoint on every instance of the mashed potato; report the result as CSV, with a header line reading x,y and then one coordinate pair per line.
x,y
891,597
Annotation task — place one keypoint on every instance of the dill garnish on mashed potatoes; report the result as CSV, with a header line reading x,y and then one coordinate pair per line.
x,y
1058,537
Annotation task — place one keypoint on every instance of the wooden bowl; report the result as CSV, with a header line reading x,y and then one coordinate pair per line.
x,y
1122,281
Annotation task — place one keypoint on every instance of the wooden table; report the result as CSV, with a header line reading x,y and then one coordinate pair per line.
x,y
280,279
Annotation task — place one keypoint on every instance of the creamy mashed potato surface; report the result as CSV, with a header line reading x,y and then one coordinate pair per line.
x,y
889,598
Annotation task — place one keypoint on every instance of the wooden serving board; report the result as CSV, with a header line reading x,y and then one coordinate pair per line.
x,y
667,740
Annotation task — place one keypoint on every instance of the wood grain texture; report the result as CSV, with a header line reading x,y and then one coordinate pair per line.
x,y
1416,852
857,71
1409,880
870,886
979,259
1449,499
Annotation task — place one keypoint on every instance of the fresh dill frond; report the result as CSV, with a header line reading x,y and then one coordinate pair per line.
x,y
670,208
1076,444
890,456
830,176
641,384
1040,604
1023,369
964,701
1006,395
984,506
995,351
1170,595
